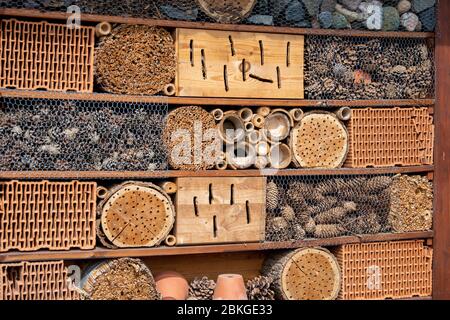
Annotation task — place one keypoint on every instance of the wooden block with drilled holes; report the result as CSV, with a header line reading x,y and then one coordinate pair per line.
x,y
239,64
220,210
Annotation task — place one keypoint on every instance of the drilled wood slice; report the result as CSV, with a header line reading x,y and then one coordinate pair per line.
x,y
136,214
319,140
227,11
304,274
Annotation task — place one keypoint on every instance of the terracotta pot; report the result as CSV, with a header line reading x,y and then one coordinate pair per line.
x,y
230,287
172,285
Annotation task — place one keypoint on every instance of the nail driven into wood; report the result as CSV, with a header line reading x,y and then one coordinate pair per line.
x,y
233,51
288,54
278,78
191,47
205,75
195,206
225,77
251,75
261,50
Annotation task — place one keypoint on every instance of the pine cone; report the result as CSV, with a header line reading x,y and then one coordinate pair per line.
x,y
298,232
272,195
328,231
259,288
288,213
310,226
331,216
202,289
326,186
378,183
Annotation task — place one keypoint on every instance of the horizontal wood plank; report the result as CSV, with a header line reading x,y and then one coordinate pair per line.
x,y
82,175
102,253
225,102
92,18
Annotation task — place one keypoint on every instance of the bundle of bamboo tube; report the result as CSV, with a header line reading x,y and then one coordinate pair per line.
x,y
255,139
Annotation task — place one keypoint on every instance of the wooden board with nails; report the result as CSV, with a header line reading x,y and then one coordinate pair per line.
x,y
220,210
239,64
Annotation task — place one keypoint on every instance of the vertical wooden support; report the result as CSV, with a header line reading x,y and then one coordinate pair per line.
x,y
441,263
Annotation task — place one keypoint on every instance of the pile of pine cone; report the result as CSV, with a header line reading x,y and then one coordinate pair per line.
x,y
343,68
328,208
258,288
81,136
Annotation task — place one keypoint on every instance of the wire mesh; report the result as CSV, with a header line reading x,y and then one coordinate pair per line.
x,y
78,135
301,207
362,68
387,15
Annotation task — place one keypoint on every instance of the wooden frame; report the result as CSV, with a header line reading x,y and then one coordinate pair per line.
x,y
440,235
441,262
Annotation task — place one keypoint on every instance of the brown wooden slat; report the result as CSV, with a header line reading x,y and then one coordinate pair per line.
x,y
101,253
226,102
30,13
207,173
441,245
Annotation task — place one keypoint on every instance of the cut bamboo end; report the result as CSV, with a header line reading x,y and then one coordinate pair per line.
x,y
344,113
169,89
296,114
280,156
222,164
217,114
169,187
231,128
103,29
101,192
263,111
254,137
246,114
171,240
241,156
262,148
277,127
261,162
249,127
287,113
258,121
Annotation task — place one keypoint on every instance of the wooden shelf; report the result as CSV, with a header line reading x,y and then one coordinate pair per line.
x,y
30,13
102,253
207,173
226,102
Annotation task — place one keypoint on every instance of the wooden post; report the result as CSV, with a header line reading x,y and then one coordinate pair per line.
x,y
441,244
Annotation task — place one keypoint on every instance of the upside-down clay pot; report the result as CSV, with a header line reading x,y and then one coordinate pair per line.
x,y
172,285
230,287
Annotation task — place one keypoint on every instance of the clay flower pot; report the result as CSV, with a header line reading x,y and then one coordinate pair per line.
x,y
230,287
172,285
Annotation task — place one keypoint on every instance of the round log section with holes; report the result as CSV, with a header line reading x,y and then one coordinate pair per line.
x,y
319,140
304,274
180,128
136,214
120,279
227,11
135,59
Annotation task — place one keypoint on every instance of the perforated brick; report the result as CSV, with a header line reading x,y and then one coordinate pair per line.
x,y
35,281
50,215
390,137
385,270
42,55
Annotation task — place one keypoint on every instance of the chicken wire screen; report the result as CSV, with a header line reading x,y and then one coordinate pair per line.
x,y
368,68
387,15
303,207
64,135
